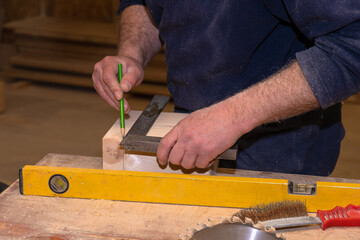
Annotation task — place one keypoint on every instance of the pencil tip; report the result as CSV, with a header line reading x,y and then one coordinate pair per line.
x,y
122,132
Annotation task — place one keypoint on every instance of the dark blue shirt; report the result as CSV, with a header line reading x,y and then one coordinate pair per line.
x,y
214,49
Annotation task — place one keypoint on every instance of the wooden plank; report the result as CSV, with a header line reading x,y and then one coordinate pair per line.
x,y
100,219
74,161
354,99
50,77
94,10
218,191
116,158
46,46
20,9
76,65
66,29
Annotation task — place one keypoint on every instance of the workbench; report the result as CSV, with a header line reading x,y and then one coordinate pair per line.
x,y
33,217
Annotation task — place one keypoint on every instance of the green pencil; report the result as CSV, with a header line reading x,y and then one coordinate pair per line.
x,y
122,114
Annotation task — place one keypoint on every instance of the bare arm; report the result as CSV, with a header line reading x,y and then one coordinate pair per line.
x,y
206,133
283,95
138,43
138,37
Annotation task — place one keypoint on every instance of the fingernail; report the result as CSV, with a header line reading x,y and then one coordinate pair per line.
x,y
117,96
126,87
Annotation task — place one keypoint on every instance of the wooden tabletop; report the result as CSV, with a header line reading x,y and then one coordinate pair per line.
x,y
33,217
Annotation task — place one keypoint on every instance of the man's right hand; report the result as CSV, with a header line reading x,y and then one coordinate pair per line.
x,y
106,81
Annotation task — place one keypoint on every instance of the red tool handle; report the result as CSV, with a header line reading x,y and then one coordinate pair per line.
x,y
340,217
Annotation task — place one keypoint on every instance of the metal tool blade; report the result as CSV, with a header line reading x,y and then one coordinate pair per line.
x,y
149,115
232,231
136,139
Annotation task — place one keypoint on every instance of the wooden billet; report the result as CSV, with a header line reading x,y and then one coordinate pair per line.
x,y
116,158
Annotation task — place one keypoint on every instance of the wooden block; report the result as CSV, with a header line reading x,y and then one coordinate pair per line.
x,y
2,96
118,159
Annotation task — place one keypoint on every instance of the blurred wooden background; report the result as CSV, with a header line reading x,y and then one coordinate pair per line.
x,y
94,10
60,41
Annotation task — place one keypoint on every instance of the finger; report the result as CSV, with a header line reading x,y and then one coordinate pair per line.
x,y
111,81
176,154
110,95
202,161
132,77
188,160
165,145
100,90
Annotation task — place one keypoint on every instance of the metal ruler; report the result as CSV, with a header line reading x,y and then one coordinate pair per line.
x,y
136,139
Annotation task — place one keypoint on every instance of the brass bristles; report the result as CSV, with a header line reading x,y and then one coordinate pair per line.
x,y
274,210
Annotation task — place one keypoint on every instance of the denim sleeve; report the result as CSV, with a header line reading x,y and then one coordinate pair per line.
x,y
332,65
126,3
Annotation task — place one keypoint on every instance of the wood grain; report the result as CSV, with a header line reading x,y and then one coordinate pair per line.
x,y
32,217
94,10
76,80
65,29
116,158
64,51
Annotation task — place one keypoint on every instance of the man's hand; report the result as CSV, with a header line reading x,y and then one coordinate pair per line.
x,y
207,133
106,83
199,138
138,42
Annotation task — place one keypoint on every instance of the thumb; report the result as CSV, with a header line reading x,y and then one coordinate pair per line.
x,y
166,143
132,77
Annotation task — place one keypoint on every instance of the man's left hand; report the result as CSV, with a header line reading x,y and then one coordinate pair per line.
x,y
199,138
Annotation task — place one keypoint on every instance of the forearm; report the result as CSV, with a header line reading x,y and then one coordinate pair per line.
x,y
195,142
283,95
138,37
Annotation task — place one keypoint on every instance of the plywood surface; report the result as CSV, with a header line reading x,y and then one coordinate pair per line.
x,y
31,217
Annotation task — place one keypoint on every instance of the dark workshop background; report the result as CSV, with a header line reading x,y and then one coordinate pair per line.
x,y
47,103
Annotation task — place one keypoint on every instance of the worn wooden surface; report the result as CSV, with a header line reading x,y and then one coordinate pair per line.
x,y
45,218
